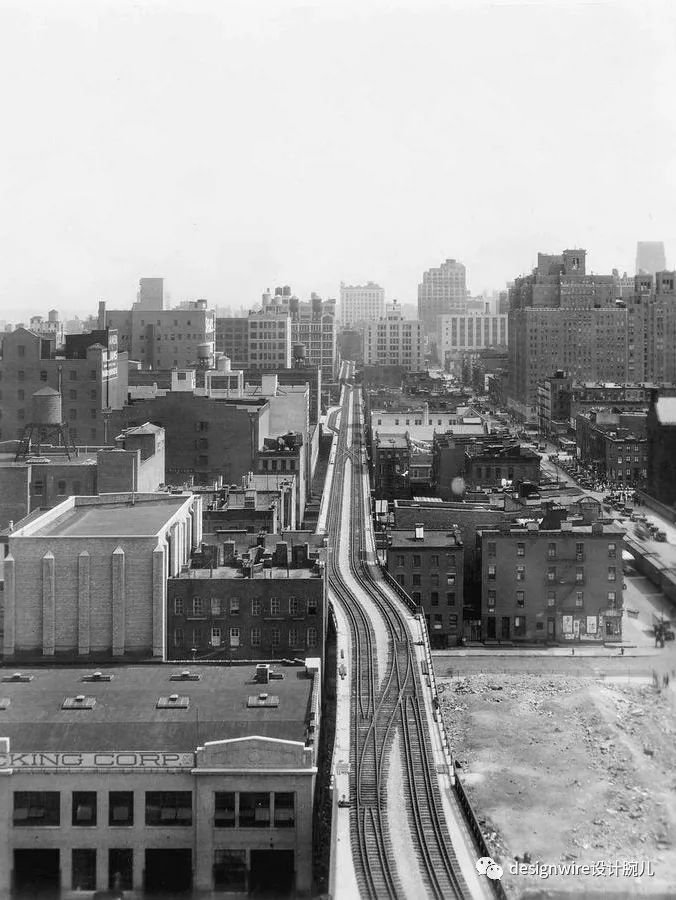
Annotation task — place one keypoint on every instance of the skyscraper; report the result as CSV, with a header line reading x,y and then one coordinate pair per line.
x,y
442,291
650,257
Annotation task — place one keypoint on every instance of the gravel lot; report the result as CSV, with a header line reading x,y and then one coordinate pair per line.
x,y
569,768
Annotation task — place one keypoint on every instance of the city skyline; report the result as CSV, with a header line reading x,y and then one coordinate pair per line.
x,y
193,145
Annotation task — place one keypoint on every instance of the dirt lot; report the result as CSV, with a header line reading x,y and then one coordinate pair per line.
x,y
569,769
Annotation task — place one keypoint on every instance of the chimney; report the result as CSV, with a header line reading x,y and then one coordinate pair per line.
x,y
419,531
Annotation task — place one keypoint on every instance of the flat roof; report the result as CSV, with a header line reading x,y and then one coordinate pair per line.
x,y
665,408
125,716
233,572
430,539
111,519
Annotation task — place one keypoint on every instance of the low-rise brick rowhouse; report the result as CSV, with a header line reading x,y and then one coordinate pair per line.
x,y
548,582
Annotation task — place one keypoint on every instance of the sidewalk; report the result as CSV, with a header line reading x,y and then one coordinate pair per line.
x,y
630,650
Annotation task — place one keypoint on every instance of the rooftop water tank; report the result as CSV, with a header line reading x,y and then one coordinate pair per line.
x,y
47,407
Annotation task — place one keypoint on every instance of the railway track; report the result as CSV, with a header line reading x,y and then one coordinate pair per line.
x,y
384,704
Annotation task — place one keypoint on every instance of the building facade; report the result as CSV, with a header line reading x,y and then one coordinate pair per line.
x,y
554,402
391,466
114,780
459,333
89,373
394,341
164,338
361,303
552,584
661,448
428,565
89,577
441,291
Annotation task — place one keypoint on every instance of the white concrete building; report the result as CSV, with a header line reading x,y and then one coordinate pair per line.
x,y
361,303
463,332
441,291
394,341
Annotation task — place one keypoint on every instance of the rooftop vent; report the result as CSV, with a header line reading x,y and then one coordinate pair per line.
x,y
98,676
173,701
265,701
185,675
18,678
79,702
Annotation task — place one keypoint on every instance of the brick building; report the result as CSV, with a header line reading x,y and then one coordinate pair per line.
x,y
89,577
88,372
553,582
614,444
391,466
429,566
260,598
40,482
554,397
494,464
158,781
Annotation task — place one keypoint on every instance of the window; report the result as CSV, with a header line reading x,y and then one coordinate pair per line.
x,y
434,560
21,375
21,350
293,606
284,810
230,870
293,637
168,808
450,579
491,573
121,868
43,375
612,550
400,560
72,395
491,598
453,622
84,870
197,606
178,606
520,573
551,598
401,579
37,808
178,637
434,598
254,809
579,552
256,606
61,487
312,606
492,548
215,640
84,807
255,637
120,807
520,598
520,549
519,626
234,606
551,551
311,637
20,395
579,575
416,560
611,573
275,606
612,597
72,375
551,573
234,637
196,636
224,809
579,598
276,637
416,579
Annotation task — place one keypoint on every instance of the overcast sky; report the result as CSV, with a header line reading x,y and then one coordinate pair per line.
x,y
231,146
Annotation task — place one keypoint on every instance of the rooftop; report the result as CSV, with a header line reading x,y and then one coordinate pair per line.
x,y
407,539
105,518
125,715
235,572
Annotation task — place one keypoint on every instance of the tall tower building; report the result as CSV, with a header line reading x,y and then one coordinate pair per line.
x,y
650,257
361,303
442,291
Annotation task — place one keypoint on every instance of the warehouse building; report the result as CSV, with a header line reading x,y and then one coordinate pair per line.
x,y
169,781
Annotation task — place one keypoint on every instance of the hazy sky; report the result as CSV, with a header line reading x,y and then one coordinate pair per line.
x,y
231,146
